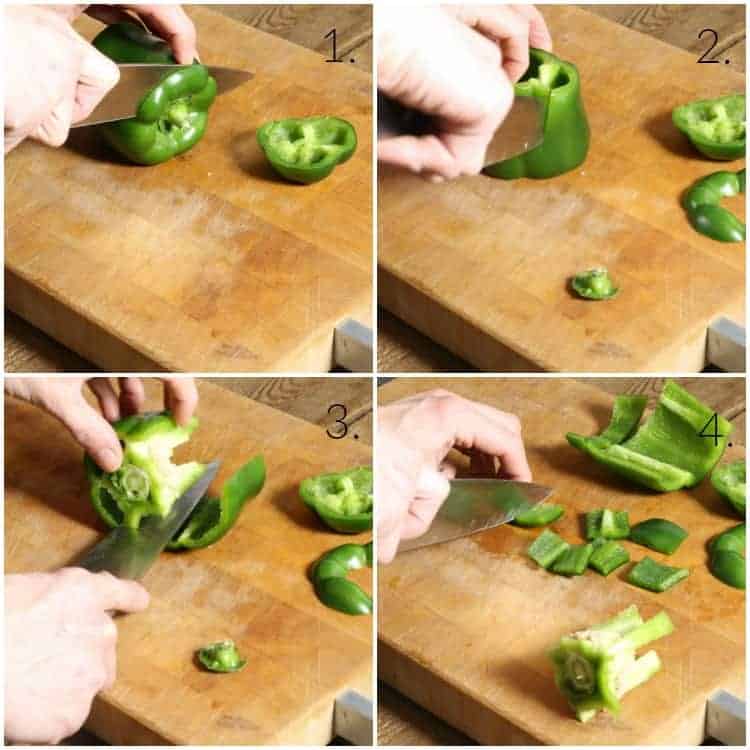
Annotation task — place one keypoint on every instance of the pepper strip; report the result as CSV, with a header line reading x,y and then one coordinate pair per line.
x,y
701,203
729,481
728,557
331,584
541,515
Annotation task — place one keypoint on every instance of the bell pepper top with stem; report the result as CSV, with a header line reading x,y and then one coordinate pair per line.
x,y
557,85
342,500
308,149
727,560
701,203
715,127
729,481
332,586
148,482
595,284
213,517
669,451
173,116
221,656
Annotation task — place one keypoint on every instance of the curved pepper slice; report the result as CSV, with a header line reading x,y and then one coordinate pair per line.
x,y
729,481
342,500
596,283
147,483
668,451
540,515
221,656
307,149
213,517
331,584
701,203
172,117
658,534
728,557
716,127
566,130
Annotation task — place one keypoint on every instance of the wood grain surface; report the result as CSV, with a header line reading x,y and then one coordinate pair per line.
x,y
250,587
402,348
494,680
303,264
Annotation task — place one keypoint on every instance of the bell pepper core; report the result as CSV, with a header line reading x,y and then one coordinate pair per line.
x,y
331,584
594,284
608,556
540,515
574,561
547,548
608,524
307,149
172,117
342,500
658,534
557,84
221,656
653,576
716,127
701,203
729,481
727,561
668,451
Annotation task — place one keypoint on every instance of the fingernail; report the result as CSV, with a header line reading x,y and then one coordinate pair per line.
x,y
110,460
437,179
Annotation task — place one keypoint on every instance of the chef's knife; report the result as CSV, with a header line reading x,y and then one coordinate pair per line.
x,y
475,505
128,553
522,129
136,80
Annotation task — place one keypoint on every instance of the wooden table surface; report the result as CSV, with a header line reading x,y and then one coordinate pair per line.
x,y
403,349
403,722
27,349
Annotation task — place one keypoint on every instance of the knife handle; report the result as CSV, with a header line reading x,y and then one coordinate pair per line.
x,y
395,119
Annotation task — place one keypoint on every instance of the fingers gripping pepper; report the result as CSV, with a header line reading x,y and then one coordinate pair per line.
x,y
307,149
566,130
331,584
701,203
716,127
342,500
173,116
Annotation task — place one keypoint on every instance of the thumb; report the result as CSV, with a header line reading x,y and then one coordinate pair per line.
x,y
91,430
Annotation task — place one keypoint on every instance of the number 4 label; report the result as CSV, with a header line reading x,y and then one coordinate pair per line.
x,y
713,425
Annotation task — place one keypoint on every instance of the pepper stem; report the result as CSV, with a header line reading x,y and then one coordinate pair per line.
x,y
178,113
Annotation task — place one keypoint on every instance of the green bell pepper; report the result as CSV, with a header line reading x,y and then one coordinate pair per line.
x,y
716,127
658,534
331,584
557,85
608,556
172,117
540,515
653,576
342,500
668,451
147,483
701,203
727,561
729,481
213,517
595,284
574,561
607,524
307,149
221,656
547,548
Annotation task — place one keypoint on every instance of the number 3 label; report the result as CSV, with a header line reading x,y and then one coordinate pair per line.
x,y
338,432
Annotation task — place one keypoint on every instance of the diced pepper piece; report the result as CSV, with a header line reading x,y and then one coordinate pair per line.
x,y
610,524
658,534
574,561
546,548
608,556
653,576
541,515
729,481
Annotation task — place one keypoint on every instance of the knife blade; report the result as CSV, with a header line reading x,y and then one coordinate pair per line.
x,y
129,553
520,131
475,505
137,79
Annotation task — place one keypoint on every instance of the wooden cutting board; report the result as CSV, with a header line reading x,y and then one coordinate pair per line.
x,y
208,262
464,626
481,265
251,587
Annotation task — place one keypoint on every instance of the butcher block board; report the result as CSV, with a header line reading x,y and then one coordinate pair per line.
x,y
209,262
481,265
252,586
464,626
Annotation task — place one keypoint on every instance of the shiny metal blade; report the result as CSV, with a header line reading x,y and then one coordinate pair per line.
x,y
129,553
475,505
519,132
137,79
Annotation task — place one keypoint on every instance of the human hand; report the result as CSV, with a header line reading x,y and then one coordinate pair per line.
x,y
457,64
414,437
63,398
60,648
